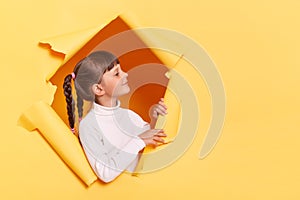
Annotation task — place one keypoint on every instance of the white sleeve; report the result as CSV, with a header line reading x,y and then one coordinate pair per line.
x,y
106,160
110,164
137,120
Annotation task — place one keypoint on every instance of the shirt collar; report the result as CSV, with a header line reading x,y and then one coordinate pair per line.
x,y
103,110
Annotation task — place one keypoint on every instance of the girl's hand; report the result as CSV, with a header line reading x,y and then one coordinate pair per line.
x,y
153,137
159,109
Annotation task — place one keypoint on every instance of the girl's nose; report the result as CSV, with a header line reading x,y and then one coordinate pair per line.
x,y
125,75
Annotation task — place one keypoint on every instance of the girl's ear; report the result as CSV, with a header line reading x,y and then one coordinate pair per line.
x,y
98,90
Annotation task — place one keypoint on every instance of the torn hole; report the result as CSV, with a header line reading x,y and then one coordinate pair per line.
x,y
143,98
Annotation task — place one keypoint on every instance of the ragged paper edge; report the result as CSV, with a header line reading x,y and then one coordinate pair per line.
x,y
151,40
169,123
40,116
70,43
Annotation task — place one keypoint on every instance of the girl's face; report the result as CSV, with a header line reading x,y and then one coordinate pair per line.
x,y
114,82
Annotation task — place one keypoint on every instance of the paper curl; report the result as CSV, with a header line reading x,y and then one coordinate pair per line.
x,y
40,116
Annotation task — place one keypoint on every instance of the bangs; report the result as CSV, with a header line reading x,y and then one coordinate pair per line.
x,y
112,64
104,60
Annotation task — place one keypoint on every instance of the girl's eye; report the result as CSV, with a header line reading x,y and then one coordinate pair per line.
x,y
117,74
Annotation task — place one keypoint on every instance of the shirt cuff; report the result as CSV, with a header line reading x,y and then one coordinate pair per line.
x,y
134,146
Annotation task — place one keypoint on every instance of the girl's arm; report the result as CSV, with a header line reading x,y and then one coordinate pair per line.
x,y
109,162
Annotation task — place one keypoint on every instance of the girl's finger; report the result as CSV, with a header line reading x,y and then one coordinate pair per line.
x,y
161,103
161,135
158,139
161,110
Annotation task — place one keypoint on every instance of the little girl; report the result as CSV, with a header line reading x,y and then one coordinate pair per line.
x,y
112,137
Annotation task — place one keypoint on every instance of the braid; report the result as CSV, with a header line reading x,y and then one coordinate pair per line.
x,y
69,99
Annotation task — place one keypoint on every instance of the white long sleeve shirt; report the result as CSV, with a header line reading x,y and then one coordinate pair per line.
x,y
109,136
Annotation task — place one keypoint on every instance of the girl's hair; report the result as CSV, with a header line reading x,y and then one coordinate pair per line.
x,y
87,72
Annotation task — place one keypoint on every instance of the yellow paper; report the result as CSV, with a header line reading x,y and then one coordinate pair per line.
x,y
255,45
70,43
42,117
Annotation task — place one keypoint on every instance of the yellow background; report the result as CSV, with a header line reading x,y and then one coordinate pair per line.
x,y
255,45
